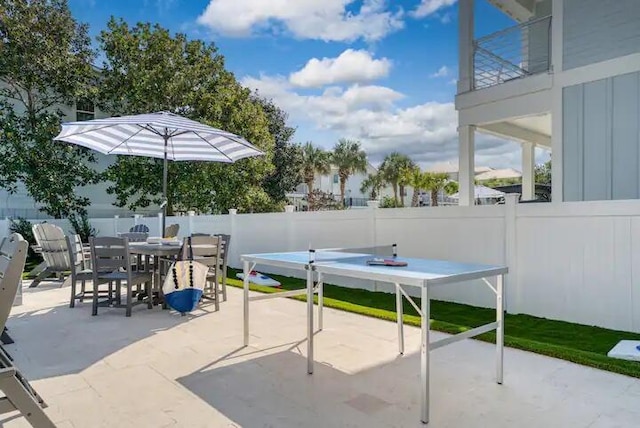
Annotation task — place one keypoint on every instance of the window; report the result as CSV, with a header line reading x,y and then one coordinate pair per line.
x,y
85,110
336,178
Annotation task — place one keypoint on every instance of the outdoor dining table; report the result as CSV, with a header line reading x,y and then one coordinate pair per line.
x,y
159,252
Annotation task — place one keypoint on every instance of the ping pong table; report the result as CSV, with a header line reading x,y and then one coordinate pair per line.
x,y
418,273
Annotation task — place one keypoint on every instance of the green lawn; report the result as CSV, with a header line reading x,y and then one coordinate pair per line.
x,y
573,342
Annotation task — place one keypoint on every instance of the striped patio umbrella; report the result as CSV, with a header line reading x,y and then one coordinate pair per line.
x,y
161,135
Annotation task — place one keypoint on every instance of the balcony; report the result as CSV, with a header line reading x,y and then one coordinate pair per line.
x,y
512,53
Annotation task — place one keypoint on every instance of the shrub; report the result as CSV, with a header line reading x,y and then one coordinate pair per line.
x,y
81,226
24,228
389,202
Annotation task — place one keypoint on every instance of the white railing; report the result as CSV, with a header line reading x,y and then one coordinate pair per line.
x,y
572,261
512,53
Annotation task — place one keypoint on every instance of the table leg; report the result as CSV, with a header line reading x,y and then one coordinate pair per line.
x,y
245,271
309,320
500,328
320,300
400,316
424,357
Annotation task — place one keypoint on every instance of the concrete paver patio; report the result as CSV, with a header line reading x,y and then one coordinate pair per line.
x,y
158,369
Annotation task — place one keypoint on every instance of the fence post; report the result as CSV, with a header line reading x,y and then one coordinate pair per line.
x,y
115,225
511,291
235,255
161,232
191,215
288,213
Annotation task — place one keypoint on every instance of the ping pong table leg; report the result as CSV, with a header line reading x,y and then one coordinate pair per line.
x,y
309,320
424,356
320,299
500,328
245,271
399,315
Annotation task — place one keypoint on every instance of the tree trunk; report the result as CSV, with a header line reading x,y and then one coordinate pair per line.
x,y
416,194
434,197
401,195
343,184
395,192
310,195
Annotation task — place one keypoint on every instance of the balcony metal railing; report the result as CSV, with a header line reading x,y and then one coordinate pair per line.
x,y
512,53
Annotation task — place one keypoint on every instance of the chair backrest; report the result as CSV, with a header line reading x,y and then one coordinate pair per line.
x,y
109,254
206,249
134,236
53,246
142,228
13,255
225,241
76,253
171,231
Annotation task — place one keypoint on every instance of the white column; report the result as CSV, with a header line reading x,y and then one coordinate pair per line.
x,y
234,254
511,292
465,45
528,171
466,165
556,102
115,225
161,232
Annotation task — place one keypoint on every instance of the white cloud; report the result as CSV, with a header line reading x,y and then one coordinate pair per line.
x,y
427,132
442,72
351,66
429,7
328,20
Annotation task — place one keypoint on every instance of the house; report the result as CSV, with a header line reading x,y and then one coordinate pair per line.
x,y
20,204
566,77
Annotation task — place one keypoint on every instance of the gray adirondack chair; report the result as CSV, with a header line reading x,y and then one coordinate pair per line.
x,y
18,394
52,245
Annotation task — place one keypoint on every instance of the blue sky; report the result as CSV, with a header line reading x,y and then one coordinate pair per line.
x,y
382,72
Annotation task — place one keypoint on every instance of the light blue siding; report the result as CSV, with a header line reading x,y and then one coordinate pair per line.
x,y
598,30
601,139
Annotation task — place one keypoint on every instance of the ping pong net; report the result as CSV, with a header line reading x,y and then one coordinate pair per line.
x,y
328,255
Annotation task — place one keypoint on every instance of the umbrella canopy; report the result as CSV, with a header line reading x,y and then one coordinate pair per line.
x,y
162,135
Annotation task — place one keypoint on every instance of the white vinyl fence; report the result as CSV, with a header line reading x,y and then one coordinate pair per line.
x,y
574,261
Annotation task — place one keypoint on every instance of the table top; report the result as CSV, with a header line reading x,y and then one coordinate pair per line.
x,y
416,272
147,249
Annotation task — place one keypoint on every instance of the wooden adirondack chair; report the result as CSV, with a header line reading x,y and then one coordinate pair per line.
x,y
19,395
52,244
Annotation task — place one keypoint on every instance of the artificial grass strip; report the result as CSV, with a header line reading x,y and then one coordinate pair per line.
x,y
581,344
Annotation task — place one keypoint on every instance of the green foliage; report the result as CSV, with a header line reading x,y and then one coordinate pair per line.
x,y
24,227
45,61
372,185
321,201
350,159
543,173
497,182
437,182
389,202
81,226
147,69
392,169
256,200
287,156
314,161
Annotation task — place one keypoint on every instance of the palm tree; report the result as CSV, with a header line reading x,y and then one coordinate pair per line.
x,y
372,185
349,158
314,161
417,179
440,182
392,169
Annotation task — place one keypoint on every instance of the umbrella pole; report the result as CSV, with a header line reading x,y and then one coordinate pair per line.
x,y
165,172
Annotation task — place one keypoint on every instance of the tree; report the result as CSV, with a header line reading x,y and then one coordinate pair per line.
x,y
350,159
286,155
147,69
372,185
45,62
437,182
543,173
391,168
417,179
314,161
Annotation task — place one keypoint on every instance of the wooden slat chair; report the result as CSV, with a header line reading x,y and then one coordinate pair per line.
x,y
80,271
141,228
53,248
206,250
18,394
171,231
111,261
224,257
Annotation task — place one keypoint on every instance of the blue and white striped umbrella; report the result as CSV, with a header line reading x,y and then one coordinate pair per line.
x,y
162,135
